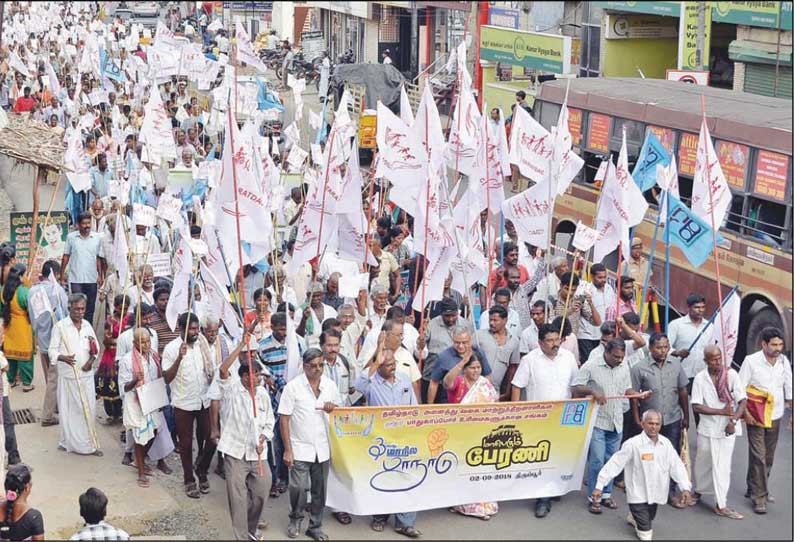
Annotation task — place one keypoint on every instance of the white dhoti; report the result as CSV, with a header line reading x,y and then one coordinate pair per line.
x,y
76,434
144,428
713,467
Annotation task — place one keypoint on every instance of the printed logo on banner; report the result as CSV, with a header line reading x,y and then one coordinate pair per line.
x,y
504,447
574,414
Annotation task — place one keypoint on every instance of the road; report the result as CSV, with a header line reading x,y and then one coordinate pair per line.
x,y
163,510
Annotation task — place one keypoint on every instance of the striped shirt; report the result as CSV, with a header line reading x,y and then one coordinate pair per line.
x,y
612,381
274,356
164,334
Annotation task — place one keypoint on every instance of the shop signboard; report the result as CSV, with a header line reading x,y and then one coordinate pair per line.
x,y
545,52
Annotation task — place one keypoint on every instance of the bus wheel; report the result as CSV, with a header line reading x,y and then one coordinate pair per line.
x,y
766,317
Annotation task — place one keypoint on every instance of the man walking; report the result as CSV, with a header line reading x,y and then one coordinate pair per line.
x,y
649,461
767,375
82,258
382,385
545,374
603,296
611,376
74,346
243,441
719,397
188,369
683,331
665,378
305,403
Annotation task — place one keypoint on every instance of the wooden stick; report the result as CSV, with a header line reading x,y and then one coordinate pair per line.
x,y
568,299
34,245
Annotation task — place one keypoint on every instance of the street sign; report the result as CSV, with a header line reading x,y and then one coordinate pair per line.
x,y
689,76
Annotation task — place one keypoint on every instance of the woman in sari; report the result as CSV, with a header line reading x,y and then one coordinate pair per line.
x,y
466,385
106,377
260,315
18,346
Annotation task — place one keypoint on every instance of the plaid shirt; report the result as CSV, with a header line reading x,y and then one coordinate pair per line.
x,y
100,531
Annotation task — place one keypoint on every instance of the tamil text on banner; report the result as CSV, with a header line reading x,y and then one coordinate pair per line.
x,y
403,459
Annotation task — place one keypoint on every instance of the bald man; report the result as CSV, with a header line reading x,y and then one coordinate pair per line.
x,y
720,399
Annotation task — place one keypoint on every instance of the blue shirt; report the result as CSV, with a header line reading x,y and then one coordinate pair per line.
x,y
380,392
99,180
446,360
83,252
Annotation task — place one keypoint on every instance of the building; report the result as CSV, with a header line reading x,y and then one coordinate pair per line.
x,y
748,43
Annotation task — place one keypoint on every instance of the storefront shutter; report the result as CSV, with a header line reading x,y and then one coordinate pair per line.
x,y
760,79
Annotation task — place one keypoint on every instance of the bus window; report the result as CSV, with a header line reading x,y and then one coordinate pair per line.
x,y
766,221
549,114
734,217
635,134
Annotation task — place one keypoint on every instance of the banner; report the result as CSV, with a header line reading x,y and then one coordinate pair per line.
x,y
51,240
409,458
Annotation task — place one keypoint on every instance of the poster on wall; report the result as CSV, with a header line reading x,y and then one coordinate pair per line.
x,y
687,152
598,135
771,173
733,159
51,239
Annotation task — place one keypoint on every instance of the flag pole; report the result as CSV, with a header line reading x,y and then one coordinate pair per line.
x,y
489,221
239,243
667,266
714,238
647,280
325,190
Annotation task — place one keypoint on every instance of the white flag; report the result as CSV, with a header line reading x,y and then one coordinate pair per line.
x,y
217,299
179,299
710,191
406,113
727,322
427,124
621,206
529,212
156,132
567,163
465,135
469,264
76,159
245,51
120,249
39,302
667,179
401,159
585,237
431,207
294,361
431,288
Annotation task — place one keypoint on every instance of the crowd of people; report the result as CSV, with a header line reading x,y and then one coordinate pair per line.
x,y
522,334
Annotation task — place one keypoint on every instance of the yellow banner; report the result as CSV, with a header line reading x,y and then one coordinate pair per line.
x,y
404,459
688,36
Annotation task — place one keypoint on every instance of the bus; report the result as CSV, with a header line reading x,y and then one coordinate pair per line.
x,y
752,137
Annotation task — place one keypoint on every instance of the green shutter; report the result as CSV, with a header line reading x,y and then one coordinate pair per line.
x,y
760,79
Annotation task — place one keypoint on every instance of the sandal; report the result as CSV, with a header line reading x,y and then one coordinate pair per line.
x,y
204,485
317,535
410,532
192,491
163,467
274,493
609,503
728,513
594,507
293,529
378,525
147,470
676,503
759,508
281,487
343,518
143,481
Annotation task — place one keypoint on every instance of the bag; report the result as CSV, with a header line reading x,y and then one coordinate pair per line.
x,y
760,405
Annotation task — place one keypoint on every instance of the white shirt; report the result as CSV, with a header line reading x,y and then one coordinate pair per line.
x,y
308,422
648,467
513,322
681,332
775,379
240,431
189,386
704,393
549,286
602,299
125,370
546,379
66,340
529,338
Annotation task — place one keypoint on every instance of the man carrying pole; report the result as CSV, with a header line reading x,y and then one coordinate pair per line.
x,y
74,346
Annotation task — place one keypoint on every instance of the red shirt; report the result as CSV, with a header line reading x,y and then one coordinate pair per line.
x,y
497,279
23,105
458,391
